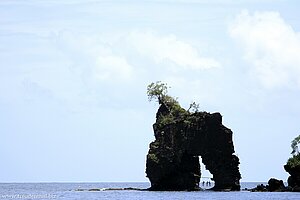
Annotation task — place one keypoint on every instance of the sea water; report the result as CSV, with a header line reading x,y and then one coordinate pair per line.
x,y
68,191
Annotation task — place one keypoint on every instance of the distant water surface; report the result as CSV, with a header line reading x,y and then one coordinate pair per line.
x,y
67,191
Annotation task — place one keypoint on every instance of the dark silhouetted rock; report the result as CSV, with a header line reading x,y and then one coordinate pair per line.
x,y
180,138
260,188
294,178
276,185
94,190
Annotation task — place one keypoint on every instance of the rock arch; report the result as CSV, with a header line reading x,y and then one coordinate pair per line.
x,y
180,138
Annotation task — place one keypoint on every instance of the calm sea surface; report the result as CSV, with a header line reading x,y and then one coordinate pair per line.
x,y
68,191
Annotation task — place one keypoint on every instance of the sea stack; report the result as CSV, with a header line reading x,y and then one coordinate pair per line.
x,y
181,136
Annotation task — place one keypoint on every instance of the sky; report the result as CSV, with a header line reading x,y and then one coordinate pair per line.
x,y
74,74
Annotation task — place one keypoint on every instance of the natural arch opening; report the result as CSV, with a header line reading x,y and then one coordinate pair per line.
x,y
206,178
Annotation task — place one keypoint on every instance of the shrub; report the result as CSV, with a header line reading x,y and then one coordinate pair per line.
x,y
295,160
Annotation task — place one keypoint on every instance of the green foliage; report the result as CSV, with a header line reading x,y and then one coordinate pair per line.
x,y
170,100
166,119
194,107
177,113
295,144
154,145
177,110
157,91
295,160
153,157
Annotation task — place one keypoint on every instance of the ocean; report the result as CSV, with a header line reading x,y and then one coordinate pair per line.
x,y
68,191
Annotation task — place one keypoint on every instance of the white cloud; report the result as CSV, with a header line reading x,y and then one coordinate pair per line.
x,y
104,64
67,68
111,67
169,48
76,69
271,46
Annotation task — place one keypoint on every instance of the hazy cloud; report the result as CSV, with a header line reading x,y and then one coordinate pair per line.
x,y
170,48
271,45
111,67
97,54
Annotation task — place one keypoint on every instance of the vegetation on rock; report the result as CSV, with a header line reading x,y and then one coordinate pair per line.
x,y
295,144
181,136
159,91
295,159
293,166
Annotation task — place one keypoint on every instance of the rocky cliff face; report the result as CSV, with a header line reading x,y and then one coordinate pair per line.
x,y
294,178
180,138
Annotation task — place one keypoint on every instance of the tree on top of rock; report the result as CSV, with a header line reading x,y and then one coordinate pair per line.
x,y
159,91
295,144
295,160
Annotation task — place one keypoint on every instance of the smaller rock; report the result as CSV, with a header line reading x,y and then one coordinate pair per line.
x,y
259,188
94,190
276,185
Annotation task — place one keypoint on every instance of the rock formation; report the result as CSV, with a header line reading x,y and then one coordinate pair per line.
x,y
294,178
180,138
293,166
274,185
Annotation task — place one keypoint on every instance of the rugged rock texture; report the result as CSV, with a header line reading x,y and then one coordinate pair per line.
x,y
274,185
294,179
180,138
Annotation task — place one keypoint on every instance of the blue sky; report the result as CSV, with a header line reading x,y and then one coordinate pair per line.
x,y
73,78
